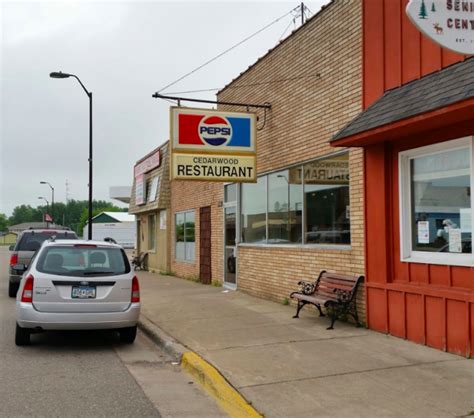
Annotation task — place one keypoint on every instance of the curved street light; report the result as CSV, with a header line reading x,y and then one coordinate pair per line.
x,y
47,207
60,74
52,197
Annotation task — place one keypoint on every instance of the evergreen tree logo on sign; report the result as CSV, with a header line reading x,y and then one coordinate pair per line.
x,y
449,23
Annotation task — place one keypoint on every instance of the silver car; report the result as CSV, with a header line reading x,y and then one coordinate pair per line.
x,y
77,285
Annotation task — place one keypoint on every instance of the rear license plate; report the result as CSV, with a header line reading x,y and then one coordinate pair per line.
x,y
83,292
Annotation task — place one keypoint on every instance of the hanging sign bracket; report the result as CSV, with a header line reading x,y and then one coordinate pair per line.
x,y
184,99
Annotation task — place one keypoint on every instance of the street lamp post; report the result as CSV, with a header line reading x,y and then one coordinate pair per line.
x,y
89,94
52,197
47,207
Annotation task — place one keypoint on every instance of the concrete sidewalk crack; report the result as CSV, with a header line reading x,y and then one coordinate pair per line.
x,y
302,379
286,342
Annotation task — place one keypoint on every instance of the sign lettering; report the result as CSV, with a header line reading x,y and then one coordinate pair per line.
x,y
449,23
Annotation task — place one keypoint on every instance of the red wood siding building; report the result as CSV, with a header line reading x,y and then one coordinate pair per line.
x,y
428,303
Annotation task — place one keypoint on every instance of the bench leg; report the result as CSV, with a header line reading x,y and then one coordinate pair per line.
x,y
333,320
334,312
299,307
320,310
355,316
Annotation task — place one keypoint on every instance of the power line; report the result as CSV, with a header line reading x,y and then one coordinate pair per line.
x,y
226,51
281,80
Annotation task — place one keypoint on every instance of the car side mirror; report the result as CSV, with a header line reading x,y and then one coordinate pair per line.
x,y
11,248
19,268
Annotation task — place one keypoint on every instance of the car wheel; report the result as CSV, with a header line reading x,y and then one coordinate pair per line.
x,y
13,289
22,336
127,335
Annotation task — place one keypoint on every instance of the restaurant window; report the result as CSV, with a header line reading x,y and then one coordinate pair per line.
x,y
326,201
436,203
151,232
304,204
254,211
285,206
185,236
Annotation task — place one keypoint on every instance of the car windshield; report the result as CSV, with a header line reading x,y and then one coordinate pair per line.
x,y
32,241
83,261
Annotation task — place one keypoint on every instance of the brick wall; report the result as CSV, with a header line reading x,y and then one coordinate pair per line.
x,y
313,82
190,195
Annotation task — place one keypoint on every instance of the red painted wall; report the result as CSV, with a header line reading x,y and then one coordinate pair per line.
x,y
428,304
395,52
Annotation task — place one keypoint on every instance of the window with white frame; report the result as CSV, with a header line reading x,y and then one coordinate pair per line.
x,y
151,232
184,236
304,204
436,203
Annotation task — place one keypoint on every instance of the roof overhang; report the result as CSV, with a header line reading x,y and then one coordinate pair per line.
x,y
452,114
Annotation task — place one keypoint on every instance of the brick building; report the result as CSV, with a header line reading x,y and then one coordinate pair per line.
x,y
305,213
150,203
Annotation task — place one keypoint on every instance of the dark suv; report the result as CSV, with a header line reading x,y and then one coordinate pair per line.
x,y
25,248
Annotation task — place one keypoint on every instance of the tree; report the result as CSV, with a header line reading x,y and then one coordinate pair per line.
x,y
423,13
3,222
72,214
25,213
433,8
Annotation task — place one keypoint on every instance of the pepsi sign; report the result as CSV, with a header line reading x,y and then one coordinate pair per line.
x,y
213,131
211,145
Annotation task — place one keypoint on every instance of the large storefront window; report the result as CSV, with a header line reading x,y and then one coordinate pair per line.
x,y
326,199
436,184
284,207
306,204
184,236
254,211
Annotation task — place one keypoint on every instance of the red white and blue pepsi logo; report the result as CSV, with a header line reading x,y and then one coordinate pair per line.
x,y
214,130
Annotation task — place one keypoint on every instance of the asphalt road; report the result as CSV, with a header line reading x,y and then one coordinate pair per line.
x,y
65,374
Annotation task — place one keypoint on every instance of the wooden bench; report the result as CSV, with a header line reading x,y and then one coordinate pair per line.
x,y
336,292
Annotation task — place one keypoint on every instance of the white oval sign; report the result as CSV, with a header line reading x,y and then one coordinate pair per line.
x,y
450,23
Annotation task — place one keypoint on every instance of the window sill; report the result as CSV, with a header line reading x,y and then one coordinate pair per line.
x,y
333,247
464,260
177,260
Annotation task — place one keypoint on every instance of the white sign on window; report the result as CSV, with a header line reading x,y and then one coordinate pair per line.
x,y
449,23
140,189
163,219
455,243
423,232
153,189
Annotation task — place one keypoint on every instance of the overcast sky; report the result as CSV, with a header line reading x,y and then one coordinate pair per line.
x,y
123,52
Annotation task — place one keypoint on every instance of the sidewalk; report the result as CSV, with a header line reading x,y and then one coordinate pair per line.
x,y
292,367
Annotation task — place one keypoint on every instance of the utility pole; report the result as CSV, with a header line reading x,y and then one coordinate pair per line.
x,y
302,13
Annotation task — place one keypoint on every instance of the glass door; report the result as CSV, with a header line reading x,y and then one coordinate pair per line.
x,y
230,235
230,267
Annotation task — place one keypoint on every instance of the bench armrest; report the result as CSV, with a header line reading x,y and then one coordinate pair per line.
x,y
307,288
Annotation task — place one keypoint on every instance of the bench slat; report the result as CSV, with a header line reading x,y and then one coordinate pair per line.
x,y
338,283
338,279
335,276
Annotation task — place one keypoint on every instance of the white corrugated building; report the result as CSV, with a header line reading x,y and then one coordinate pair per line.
x,y
117,225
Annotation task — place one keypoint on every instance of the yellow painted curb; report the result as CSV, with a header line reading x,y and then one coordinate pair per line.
x,y
215,384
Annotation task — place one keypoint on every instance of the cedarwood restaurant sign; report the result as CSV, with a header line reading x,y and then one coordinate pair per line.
x,y
210,145
449,23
